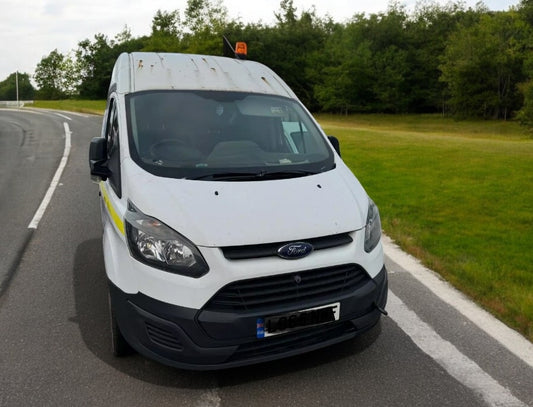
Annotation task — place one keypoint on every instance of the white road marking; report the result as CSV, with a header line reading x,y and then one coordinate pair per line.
x,y
510,339
7,109
449,357
55,181
63,116
83,114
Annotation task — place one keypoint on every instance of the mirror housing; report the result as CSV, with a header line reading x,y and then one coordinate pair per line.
x,y
335,143
98,159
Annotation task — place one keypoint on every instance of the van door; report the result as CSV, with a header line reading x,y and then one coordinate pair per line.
x,y
113,147
111,189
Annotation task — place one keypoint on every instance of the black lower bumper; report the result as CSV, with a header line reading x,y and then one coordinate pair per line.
x,y
195,339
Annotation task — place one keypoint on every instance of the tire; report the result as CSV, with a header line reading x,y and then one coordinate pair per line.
x,y
119,346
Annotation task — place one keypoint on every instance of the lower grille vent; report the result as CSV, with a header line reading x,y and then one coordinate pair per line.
x,y
163,337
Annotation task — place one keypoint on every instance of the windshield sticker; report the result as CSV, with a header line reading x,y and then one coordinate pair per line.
x,y
277,110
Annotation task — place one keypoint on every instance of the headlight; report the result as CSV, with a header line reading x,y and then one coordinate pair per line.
x,y
154,243
373,227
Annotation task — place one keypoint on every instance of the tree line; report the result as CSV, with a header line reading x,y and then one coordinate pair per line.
x,y
451,59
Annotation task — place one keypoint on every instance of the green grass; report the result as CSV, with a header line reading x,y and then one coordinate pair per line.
x,y
457,195
81,106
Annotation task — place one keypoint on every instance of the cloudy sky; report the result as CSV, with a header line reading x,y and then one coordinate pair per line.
x,y
30,30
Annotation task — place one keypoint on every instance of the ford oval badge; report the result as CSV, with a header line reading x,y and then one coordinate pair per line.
x,y
296,250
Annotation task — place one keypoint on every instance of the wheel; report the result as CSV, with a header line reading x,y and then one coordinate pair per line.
x,y
119,345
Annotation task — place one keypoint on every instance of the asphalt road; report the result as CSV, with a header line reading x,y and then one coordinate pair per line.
x,y
29,151
55,341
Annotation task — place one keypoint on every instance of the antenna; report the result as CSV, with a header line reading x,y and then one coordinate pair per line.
x,y
239,52
228,50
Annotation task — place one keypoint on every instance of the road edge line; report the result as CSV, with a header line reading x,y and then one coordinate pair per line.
x,y
513,341
463,369
55,181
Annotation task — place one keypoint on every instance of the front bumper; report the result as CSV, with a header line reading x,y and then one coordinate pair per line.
x,y
208,339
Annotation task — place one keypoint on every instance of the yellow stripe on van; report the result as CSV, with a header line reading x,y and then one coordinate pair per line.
x,y
112,212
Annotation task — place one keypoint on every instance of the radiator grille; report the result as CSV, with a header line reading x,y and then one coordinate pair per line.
x,y
286,289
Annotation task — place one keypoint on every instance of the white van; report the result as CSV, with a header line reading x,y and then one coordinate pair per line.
x,y
233,233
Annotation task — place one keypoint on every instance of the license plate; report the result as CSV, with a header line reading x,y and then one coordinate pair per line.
x,y
292,321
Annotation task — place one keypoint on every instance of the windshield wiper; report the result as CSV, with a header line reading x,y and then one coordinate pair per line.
x,y
286,174
229,176
254,176
259,175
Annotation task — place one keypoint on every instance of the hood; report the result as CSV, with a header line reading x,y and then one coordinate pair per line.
x,y
217,214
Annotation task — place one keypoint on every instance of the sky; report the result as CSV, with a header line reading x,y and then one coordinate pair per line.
x,y
30,30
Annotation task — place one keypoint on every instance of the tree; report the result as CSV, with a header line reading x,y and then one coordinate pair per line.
x,y
482,65
166,32
390,45
525,114
345,72
124,36
206,22
50,76
8,87
428,32
473,62
525,9
368,65
203,15
287,13
292,49
166,23
95,64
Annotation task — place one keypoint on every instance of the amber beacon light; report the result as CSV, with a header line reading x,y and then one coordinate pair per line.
x,y
241,49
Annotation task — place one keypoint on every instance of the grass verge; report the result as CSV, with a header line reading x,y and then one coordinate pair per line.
x,y
80,106
457,195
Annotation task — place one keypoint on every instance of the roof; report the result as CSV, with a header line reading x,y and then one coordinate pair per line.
x,y
141,71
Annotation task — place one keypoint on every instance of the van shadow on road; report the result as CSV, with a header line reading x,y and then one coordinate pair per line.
x,y
90,294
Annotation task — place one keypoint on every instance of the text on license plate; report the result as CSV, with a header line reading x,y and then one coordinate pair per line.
x,y
279,324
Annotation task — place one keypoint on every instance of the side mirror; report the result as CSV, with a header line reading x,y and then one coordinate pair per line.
x,y
335,143
98,159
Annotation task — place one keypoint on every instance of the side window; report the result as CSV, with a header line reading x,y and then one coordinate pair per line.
x,y
113,150
296,134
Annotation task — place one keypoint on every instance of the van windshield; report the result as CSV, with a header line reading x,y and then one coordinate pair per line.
x,y
208,135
